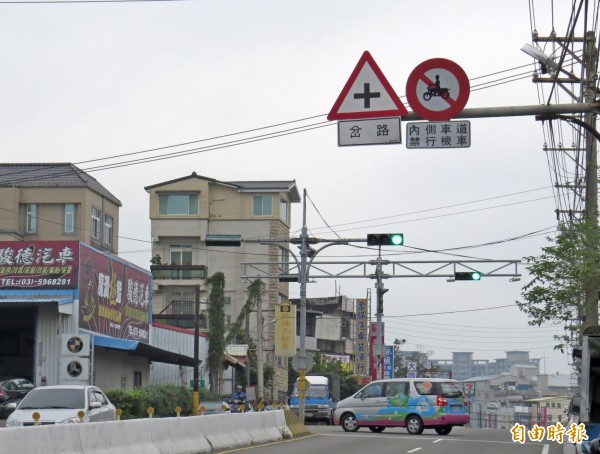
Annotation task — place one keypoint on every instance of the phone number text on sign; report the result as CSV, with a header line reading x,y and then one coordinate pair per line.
x,y
33,282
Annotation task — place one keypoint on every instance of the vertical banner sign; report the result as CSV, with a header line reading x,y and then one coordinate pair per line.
x,y
388,365
285,329
543,416
361,351
374,340
114,297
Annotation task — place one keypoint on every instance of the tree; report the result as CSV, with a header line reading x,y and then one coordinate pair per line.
x,y
565,282
348,382
255,291
398,343
216,335
420,357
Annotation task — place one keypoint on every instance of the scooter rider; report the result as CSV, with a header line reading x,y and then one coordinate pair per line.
x,y
239,395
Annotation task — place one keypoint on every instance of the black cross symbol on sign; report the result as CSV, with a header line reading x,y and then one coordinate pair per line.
x,y
367,95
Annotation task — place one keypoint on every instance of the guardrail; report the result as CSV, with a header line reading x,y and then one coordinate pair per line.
x,y
151,436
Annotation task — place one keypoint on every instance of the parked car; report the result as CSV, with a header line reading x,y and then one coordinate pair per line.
x,y
11,393
215,407
60,405
16,388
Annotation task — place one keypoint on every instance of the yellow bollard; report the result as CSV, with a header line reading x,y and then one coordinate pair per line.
x,y
243,408
119,412
202,409
36,418
260,406
178,411
150,411
223,408
80,415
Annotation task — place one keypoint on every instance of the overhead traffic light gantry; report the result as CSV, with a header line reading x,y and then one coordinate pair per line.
x,y
467,276
385,239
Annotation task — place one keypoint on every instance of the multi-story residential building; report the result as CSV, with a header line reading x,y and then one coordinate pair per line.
x,y
57,202
183,212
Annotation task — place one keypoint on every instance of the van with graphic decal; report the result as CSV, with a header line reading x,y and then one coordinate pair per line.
x,y
414,403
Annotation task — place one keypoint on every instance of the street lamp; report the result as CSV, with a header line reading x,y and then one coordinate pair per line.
x,y
547,64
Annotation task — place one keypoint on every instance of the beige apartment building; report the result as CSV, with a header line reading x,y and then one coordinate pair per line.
x,y
56,201
183,212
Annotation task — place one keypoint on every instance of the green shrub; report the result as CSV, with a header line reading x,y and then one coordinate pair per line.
x,y
163,398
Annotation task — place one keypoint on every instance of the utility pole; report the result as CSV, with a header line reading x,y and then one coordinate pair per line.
x,y
196,397
379,334
259,351
591,201
303,271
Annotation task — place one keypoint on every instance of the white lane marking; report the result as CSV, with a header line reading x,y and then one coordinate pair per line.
x,y
545,449
414,450
437,441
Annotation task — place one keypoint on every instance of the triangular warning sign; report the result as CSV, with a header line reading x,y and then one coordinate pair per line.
x,y
367,94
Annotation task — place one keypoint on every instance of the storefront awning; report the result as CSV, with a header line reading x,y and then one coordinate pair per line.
x,y
138,348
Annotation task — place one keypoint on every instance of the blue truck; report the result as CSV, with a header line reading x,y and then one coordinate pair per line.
x,y
319,399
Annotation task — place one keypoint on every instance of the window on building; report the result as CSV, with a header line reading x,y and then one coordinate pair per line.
x,y
96,223
137,379
283,259
181,254
108,229
180,203
263,205
284,212
69,223
31,218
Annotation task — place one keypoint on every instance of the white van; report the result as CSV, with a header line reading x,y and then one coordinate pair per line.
x,y
414,403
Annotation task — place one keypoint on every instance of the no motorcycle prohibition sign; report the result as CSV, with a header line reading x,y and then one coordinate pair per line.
x,y
437,89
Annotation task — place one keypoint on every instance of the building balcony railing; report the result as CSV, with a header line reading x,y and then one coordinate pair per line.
x,y
160,272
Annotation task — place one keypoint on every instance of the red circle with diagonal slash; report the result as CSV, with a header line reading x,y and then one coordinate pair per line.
x,y
438,108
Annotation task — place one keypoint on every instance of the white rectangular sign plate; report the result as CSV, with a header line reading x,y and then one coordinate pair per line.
x,y
372,131
438,134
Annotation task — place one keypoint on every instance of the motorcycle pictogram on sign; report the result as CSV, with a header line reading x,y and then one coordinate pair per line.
x,y
437,89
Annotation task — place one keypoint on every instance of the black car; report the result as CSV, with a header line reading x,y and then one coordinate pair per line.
x,y
11,393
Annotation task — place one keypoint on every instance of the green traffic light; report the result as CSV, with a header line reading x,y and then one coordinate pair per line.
x,y
397,239
476,276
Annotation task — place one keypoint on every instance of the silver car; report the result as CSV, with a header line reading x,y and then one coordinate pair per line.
x,y
61,404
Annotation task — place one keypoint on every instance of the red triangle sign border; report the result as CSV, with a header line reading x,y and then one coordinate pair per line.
x,y
366,58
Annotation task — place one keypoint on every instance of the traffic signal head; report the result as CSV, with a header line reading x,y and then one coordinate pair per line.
x,y
467,276
385,239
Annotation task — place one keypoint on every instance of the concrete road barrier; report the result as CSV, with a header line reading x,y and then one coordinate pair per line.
x,y
63,438
179,435
150,436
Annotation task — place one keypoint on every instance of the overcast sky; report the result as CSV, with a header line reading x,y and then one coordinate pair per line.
x,y
83,82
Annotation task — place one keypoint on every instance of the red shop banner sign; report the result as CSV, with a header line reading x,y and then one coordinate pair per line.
x,y
114,297
39,264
